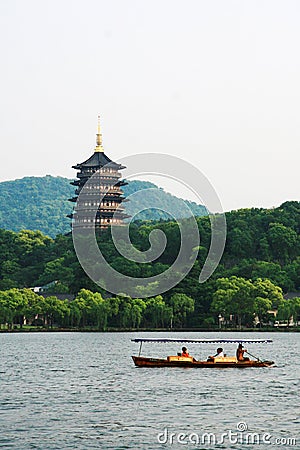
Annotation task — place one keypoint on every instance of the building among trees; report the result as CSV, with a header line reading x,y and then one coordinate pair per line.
x,y
99,204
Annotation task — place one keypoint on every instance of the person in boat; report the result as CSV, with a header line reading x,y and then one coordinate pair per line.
x,y
219,354
240,353
184,352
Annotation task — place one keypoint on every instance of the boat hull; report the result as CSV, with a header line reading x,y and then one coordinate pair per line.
x,y
141,361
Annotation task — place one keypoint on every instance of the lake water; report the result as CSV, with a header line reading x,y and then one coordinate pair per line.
x,y
82,391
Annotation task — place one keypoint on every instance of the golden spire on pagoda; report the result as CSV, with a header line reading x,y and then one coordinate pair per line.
x,y
99,147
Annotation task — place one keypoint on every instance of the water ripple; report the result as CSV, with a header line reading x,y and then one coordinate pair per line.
x,y
81,391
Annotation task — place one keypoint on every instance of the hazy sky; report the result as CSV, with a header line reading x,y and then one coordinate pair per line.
x,y
214,82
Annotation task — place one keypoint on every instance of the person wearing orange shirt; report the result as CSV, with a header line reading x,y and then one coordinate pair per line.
x,y
184,352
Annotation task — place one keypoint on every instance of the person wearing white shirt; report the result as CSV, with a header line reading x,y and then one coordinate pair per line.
x,y
220,354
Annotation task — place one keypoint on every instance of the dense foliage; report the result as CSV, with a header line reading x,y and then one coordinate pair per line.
x,y
90,309
41,203
36,203
261,260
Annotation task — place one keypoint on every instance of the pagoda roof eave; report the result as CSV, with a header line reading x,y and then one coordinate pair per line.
x,y
98,159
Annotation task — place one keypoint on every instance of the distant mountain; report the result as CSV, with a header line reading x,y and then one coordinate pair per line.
x,y
41,203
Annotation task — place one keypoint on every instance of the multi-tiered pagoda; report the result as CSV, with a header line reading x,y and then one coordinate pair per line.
x,y
106,185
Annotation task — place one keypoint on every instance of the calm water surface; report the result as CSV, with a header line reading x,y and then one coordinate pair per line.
x,y
82,391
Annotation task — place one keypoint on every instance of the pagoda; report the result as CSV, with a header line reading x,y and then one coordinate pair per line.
x,y
99,205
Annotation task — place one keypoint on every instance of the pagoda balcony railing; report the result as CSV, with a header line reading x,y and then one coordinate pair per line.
x,y
96,191
97,175
102,226
91,210
82,213
102,186
88,200
107,175
111,208
103,170
85,219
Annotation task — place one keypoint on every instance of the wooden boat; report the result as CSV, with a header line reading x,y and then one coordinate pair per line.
x,y
189,361
181,361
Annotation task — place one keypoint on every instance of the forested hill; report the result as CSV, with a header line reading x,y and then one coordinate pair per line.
x,y
262,256
41,203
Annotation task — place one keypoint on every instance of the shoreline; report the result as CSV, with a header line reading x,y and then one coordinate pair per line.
x,y
152,330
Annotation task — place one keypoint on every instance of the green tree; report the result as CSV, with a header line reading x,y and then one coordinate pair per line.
x,y
138,307
234,296
283,241
268,290
293,272
75,314
261,308
181,305
130,311
54,310
274,272
32,304
158,313
99,311
92,308
13,305
289,310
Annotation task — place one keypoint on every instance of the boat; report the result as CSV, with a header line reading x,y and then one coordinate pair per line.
x,y
189,361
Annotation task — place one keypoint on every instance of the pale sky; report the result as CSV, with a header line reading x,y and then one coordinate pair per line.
x,y
214,82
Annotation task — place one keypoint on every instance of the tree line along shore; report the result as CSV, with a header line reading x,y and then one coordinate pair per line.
x,y
23,309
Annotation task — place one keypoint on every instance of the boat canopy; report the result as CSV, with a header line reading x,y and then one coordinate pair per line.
x,y
203,341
